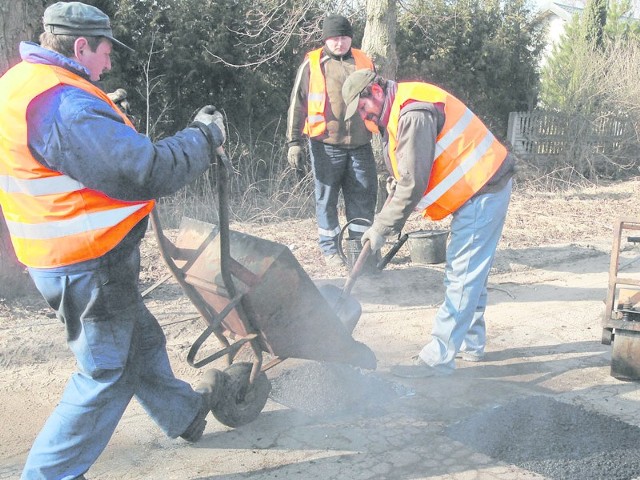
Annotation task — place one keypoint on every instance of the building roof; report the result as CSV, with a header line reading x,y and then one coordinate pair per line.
x,y
565,12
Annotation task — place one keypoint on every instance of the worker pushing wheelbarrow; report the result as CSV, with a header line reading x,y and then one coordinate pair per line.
x,y
253,291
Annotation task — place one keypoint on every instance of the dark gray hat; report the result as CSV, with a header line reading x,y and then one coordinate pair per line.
x,y
80,19
336,26
353,87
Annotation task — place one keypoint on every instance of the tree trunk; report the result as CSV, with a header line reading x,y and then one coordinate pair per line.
x,y
19,20
14,280
379,42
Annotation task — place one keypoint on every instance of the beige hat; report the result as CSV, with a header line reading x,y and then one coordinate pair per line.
x,y
353,87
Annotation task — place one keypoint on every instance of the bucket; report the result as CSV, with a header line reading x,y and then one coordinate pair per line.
x,y
349,249
352,250
428,246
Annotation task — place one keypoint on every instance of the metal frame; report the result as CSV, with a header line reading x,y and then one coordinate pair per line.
x,y
228,267
613,317
619,323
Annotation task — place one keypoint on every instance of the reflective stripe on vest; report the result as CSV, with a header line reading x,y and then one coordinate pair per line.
x,y
466,152
316,124
53,219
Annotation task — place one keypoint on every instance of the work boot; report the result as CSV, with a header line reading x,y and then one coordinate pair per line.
x,y
420,369
333,260
194,431
470,356
210,387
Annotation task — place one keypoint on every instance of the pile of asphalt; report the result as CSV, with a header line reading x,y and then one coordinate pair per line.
x,y
332,389
555,439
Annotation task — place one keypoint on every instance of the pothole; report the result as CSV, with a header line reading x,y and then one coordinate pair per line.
x,y
555,439
333,389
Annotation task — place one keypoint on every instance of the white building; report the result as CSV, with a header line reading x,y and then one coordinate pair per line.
x,y
556,15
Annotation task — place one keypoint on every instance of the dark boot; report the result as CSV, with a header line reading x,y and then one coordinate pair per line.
x,y
210,387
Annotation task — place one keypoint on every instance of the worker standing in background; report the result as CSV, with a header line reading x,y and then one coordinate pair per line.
x,y
340,148
77,184
445,162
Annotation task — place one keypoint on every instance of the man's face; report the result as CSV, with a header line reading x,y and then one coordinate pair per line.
x,y
338,45
370,108
96,62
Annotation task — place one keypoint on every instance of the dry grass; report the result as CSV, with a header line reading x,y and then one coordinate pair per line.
x,y
578,215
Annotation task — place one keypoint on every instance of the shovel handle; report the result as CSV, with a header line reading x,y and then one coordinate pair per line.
x,y
357,268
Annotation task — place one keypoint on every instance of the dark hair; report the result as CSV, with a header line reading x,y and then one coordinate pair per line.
x,y
63,44
366,92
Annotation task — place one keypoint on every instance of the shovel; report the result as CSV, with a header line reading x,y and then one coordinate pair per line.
x,y
347,308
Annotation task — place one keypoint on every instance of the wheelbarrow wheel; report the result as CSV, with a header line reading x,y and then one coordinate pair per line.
x,y
241,402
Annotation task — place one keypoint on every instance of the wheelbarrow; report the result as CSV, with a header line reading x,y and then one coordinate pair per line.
x,y
252,291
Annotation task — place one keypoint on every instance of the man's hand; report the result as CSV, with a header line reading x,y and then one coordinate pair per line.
x,y
208,115
295,156
376,241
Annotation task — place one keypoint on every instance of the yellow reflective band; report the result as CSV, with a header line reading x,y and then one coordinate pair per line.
x,y
73,226
459,172
40,186
453,133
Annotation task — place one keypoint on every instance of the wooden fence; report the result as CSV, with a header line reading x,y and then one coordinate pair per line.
x,y
549,134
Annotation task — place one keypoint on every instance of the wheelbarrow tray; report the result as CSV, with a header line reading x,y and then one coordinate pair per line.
x,y
280,303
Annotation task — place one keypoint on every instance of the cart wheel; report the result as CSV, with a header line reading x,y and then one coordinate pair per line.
x,y
607,336
241,403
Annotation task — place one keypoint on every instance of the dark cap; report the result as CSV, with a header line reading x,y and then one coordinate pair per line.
x,y
353,87
78,19
336,26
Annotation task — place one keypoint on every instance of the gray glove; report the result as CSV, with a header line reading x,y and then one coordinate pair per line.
x,y
208,115
119,97
295,156
374,238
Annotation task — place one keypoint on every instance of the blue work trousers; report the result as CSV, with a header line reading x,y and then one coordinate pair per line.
x,y
120,351
476,228
352,170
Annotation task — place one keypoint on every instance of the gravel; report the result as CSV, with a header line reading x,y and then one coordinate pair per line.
x,y
555,439
322,389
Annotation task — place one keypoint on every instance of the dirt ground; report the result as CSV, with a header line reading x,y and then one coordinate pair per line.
x,y
546,295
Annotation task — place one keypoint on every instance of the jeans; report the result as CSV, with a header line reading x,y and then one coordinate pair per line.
x,y
476,228
352,170
120,351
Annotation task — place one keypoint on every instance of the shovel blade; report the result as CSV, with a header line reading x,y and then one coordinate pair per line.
x,y
347,308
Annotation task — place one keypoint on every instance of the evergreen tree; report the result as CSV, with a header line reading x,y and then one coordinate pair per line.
x,y
593,23
568,77
485,52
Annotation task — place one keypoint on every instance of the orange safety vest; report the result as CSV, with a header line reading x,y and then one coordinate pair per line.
x,y
53,219
466,152
316,124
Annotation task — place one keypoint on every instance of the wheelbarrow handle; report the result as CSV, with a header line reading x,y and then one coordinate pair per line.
x,y
222,177
222,155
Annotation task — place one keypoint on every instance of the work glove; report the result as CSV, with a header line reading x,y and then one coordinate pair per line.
x,y
208,115
295,156
376,241
119,97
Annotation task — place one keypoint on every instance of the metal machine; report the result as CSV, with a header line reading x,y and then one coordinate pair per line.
x,y
621,320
